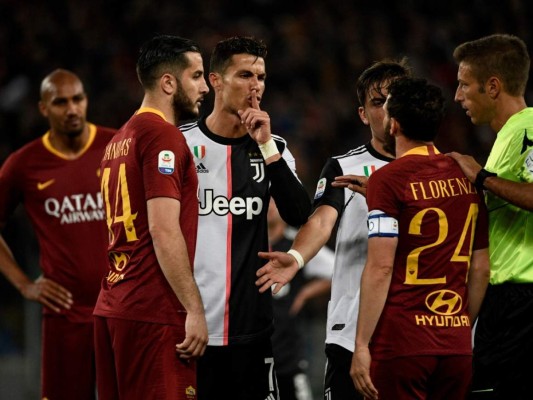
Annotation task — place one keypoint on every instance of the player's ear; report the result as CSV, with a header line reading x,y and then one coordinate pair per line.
x,y
394,126
215,80
362,115
168,84
42,109
493,86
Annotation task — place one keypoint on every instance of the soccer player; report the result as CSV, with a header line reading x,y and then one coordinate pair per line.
x,y
288,340
427,267
493,73
56,178
338,204
240,165
150,325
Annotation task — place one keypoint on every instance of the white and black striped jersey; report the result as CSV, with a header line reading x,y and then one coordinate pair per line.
x,y
235,189
351,242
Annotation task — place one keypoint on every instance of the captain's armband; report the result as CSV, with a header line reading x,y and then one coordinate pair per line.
x,y
380,224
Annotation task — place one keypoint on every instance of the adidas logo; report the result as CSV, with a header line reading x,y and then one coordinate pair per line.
x,y
201,169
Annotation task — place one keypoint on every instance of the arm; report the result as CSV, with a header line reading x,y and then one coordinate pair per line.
x,y
43,290
314,234
478,279
315,288
288,192
171,252
356,183
375,283
517,193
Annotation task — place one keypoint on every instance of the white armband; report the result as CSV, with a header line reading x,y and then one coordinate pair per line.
x,y
299,259
380,224
269,149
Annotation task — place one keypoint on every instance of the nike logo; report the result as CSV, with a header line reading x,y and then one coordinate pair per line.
x,y
44,185
526,143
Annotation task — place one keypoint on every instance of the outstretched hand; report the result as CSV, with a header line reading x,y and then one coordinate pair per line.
x,y
278,271
355,183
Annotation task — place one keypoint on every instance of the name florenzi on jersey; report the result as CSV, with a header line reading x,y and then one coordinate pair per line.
x,y
117,149
435,189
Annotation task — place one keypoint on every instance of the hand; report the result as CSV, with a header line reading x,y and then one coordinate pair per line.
x,y
279,270
469,166
355,183
196,337
360,373
48,293
257,122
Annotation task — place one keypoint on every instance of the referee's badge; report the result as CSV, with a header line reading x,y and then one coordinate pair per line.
x,y
166,160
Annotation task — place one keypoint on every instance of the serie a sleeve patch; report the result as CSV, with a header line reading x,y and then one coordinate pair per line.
x,y
380,224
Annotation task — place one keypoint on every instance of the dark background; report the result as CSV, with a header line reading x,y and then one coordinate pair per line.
x,y
317,49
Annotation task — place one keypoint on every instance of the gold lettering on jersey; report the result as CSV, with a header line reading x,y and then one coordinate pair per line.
x,y
442,321
117,149
113,277
436,189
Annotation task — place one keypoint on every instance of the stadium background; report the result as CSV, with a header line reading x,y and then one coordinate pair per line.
x,y
316,51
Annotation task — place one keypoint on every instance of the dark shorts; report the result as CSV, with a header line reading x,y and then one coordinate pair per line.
x,y
238,372
338,384
138,361
422,377
503,344
67,370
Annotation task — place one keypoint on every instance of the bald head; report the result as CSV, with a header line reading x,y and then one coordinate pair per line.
x,y
58,77
63,103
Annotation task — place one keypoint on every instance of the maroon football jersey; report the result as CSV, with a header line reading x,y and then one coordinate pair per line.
x,y
62,199
441,218
147,158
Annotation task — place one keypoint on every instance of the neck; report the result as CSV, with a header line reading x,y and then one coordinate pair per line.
x,y
70,146
378,146
403,145
224,122
506,107
161,105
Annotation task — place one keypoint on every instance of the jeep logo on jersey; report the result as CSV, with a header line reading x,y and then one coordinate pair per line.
x,y
259,166
221,205
444,302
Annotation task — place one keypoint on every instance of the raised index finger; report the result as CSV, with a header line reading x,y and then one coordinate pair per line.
x,y
255,102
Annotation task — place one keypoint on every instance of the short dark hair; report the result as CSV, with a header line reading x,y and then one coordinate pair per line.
x,y
161,54
418,106
225,49
379,73
501,55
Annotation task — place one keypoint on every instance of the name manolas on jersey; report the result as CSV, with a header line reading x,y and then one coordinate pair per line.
x,y
62,199
235,189
148,158
351,241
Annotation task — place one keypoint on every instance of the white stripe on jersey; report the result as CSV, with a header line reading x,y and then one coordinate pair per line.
x,y
350,252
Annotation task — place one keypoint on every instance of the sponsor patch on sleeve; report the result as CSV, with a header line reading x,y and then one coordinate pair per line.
x,y
166,161
380,224
527,167
320,188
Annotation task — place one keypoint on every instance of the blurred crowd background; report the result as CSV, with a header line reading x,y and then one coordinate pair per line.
x,y
317,49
